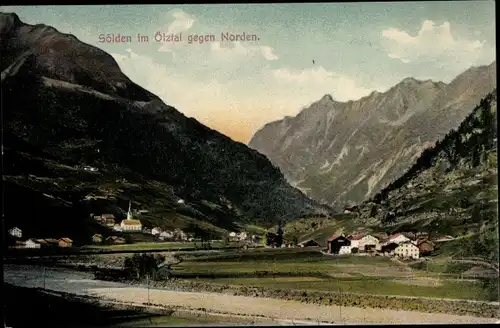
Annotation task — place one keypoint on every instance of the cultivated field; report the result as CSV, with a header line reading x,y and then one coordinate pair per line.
x,y
309,270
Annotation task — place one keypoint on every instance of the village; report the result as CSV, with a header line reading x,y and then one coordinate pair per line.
x,y
129,225
400,245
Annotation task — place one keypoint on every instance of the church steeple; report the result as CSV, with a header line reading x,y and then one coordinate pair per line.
x,y
129,213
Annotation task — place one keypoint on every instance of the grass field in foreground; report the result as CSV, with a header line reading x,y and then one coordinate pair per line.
x,y
288,260
311,270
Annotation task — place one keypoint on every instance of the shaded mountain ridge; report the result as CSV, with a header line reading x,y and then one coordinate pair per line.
x,y
67,104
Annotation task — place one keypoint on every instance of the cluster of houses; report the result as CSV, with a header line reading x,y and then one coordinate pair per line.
x,y
32,243
127,225
398,245
134,225
244,236
171,235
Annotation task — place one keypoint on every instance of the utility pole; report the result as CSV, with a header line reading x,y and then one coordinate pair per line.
x,y
147,277
341,300
43,277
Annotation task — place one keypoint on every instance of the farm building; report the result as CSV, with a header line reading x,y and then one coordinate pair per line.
x,y
309,243
50,242
30,243
335,242
156,231
107,216
97,238
65,242
389,248
407,250
180,235
16,232
115,240
242,235
345,250
369,244
425,246
166,235
354,239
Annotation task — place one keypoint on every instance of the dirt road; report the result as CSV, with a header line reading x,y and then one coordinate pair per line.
x,y
81,283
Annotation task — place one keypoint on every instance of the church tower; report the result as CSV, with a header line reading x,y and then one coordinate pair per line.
x,y
129,213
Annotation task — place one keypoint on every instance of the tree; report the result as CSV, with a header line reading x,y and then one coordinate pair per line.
x,y
270,239
141,265
373,211
295,240
279,236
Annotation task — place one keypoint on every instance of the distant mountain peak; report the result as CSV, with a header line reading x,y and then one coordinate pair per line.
x,y
326,98
410,80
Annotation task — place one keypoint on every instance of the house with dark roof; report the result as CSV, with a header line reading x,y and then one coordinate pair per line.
x,y
425,246
65,242
335,242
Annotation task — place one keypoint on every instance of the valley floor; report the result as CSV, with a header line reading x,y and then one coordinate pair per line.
x,y
80,283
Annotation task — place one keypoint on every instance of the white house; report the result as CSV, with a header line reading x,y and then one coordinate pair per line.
x,y
232,234
407,250
30,243
242,236
355,240
166,235
156,231
397,239
117,227
16,232
369,242
181,201
179,234
345,250
129,224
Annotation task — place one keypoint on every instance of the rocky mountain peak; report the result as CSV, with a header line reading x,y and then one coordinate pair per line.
x,y
348,151
326,99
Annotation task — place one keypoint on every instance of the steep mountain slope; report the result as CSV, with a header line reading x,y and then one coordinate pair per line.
x,y
457,178
67,104
338,152
451,189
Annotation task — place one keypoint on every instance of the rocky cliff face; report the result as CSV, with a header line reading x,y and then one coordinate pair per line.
x,y
338,152
67,104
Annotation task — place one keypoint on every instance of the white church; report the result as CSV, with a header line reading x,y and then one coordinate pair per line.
x,y
130,224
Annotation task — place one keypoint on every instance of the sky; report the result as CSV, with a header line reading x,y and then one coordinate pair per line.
x,y
300,53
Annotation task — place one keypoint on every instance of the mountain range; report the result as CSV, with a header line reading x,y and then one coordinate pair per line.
x,y
340,153
67,106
